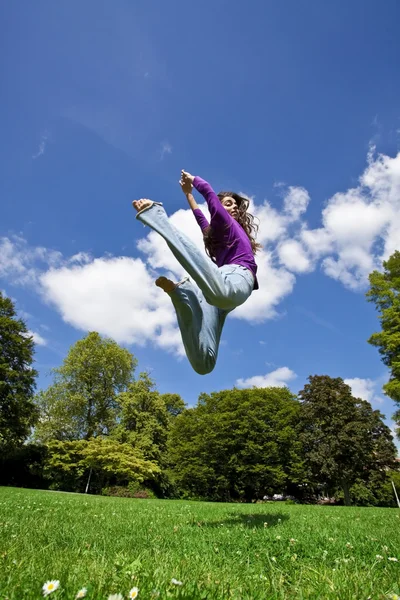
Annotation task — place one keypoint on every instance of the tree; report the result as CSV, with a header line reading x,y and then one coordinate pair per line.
x,y
376,490
145,417
237,444
174,404
83,401
343,438
69,463
385,293
17,378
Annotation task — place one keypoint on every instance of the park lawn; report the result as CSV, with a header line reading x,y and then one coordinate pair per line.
x,y
255,551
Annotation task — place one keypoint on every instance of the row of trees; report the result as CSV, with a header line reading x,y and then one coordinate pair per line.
x,y
97,426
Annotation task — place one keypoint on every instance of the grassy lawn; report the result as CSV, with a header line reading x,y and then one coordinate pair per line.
x,y
110,545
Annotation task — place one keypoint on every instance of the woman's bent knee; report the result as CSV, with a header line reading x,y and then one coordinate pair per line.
x,y
221,302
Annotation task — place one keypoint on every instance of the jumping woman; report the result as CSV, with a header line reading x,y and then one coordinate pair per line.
x,y
225,279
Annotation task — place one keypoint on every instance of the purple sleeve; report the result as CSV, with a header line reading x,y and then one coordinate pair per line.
x,y
201,219
217,211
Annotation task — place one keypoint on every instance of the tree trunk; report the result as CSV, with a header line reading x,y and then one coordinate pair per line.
x,y
88,481
346,490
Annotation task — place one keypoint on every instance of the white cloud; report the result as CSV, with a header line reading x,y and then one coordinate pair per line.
x,y
316,241
292,254
359,223
166,148
37,338
272,224
360,226
366,389
116,297
275,283
295,202
81,258
277,378
42,145
22,263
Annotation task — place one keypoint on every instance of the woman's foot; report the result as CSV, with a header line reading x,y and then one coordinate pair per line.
x,y
142,204
166,284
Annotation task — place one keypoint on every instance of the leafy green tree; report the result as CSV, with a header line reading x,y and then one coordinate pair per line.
x,y
384,292
375,490
237,444
83,401
17,378
144,418
343,438
174,405
144,422
70,463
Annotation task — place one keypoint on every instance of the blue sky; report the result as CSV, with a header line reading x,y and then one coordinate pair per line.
x,y
294,104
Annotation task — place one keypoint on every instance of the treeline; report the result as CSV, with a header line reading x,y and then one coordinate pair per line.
x,y
99,428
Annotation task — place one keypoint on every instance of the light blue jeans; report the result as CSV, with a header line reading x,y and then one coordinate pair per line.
x,y
202,310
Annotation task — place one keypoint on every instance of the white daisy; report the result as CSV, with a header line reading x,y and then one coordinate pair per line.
x,y
82,593
116,597
176,582
50,586
393,559
134,592
379,557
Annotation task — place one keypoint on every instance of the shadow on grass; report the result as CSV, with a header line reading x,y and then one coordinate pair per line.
x,y
251,520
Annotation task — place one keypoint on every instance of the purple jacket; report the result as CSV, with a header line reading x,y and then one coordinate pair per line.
x,y
235,248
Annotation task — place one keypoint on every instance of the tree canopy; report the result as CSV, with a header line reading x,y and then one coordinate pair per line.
x,y
18,412
237,444
82,402
342,436
384,292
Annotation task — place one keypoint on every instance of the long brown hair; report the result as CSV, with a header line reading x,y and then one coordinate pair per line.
x,y
244,218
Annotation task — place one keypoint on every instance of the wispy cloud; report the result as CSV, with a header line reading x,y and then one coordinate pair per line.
x,y
42,145
166,148
37,338
316,319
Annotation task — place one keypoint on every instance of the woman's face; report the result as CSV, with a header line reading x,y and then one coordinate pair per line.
x,y
230,206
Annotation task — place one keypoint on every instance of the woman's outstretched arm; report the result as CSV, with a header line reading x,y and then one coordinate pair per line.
x,y
219,215
187,187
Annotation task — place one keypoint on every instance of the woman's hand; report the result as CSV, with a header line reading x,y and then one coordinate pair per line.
x,y
186,182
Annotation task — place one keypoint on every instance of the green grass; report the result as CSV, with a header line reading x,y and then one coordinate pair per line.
x,y
236,551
